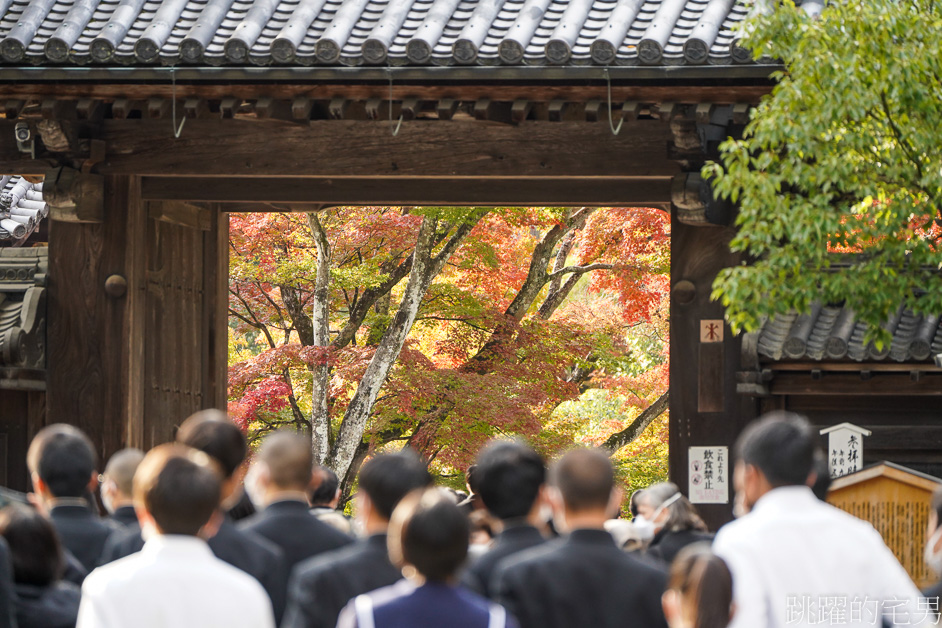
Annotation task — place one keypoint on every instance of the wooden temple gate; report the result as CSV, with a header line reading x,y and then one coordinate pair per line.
x,y
149,124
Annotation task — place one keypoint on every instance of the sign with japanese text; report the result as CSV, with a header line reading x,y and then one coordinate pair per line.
x,y
708,475
845,448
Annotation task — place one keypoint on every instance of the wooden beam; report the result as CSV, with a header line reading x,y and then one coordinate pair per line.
x,y
844,384
181,213
562,191
332,148
687,94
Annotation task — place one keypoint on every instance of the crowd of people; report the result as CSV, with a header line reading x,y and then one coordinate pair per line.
x,y
200,534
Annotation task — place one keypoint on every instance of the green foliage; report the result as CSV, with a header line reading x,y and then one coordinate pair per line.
x,y
839,175
597,413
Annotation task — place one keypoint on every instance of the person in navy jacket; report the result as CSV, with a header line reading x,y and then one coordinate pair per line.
x,y
428,538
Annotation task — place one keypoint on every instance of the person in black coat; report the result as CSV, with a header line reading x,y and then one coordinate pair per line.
x,y
117,492
42,599
582,579
211,432
323,585
509,480
7,592
676,522
278,485
62,464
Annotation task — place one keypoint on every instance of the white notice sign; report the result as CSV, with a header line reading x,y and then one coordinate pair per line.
x,y
708,475
845,448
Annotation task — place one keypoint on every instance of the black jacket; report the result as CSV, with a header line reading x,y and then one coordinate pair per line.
x,y
512,540
300,535
581,580
667,544
297,533
249,552
55,606
7,593
82,532
125,516
322,586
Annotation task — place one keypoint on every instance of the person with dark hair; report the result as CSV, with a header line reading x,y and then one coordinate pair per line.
x,y
582,579
674,519
470,501
62,464
281,475
117,484
510,478
325,496
428,540
211,432
42,599
175,581
699,591
322,586
820,478
792,547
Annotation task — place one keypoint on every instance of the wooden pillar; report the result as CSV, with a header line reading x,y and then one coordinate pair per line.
x,y
705,409
129,358
87,357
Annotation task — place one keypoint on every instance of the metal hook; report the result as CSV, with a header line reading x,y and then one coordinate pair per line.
x,y
395,131
177,130
611,125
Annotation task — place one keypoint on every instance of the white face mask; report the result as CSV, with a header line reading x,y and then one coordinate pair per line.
x,y
934,558
647,529
106,501
252,485
644,528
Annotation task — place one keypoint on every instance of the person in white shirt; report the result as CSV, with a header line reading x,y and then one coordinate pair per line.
x,y
797,561
175,581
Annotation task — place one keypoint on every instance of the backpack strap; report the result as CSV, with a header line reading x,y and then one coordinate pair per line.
x,y
363,606
498,617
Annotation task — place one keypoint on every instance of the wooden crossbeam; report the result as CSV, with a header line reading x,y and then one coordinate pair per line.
x,y
348,148
253,194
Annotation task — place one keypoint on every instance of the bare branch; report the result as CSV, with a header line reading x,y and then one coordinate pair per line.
x,y
619,439
580,269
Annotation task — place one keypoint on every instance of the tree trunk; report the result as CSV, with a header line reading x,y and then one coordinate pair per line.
x,y
619,439
425,267
320,323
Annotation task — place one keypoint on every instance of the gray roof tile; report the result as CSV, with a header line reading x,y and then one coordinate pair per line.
x,y
832,333
377,32
22,208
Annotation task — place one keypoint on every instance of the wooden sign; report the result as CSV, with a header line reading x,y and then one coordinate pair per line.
x,y
708,475
845,448
711,331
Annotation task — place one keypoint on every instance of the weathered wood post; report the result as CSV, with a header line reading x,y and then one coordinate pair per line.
x,y
705,410
136,323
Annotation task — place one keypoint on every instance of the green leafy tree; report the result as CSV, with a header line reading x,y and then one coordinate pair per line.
x,y
839,174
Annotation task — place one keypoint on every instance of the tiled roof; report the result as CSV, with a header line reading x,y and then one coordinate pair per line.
x,y
377,32
832,333
21,208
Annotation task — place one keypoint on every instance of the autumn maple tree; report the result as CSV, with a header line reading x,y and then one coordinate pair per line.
x,y
443,327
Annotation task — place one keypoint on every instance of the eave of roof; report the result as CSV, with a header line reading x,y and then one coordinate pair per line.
x,y
431,74
832,333
371,32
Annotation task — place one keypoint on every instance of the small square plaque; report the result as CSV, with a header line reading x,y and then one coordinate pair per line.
x,y
711,331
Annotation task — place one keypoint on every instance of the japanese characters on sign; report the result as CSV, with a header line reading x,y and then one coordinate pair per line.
x,y
845,448
708,481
